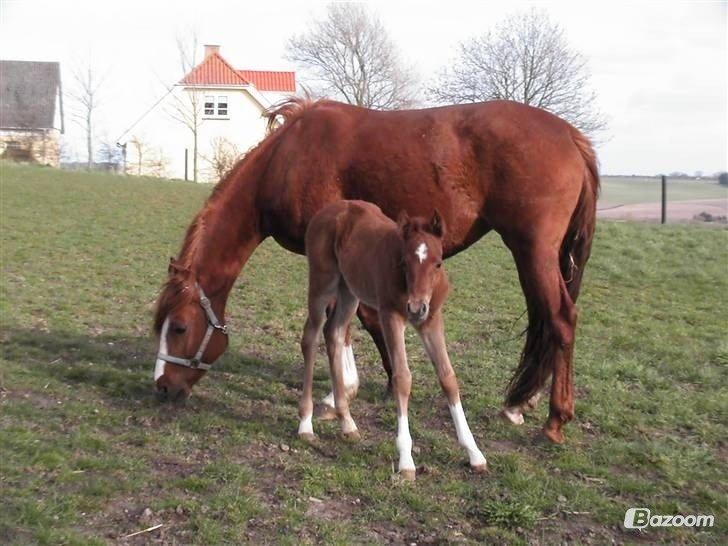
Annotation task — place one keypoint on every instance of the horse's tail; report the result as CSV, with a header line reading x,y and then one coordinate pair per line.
x,y
576,246
537,359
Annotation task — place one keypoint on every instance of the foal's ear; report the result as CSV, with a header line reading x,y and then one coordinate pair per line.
x,y
437,226
403,222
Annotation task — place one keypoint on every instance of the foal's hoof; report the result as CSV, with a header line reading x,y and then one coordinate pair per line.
x,y
308,437
324,412
512,415
408,474
353,436
553,435
479,468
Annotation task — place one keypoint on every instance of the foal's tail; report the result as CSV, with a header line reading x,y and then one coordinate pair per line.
x,y
537,360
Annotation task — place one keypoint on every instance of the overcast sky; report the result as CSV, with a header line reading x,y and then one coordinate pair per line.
x,y
660,69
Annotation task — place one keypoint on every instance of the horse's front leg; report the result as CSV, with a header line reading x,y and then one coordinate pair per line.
x,y
433,337
393,326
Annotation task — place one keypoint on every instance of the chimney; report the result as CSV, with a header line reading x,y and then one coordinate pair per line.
x,y
211,49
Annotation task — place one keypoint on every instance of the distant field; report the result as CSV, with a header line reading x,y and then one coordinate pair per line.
x,y
627,190
87,456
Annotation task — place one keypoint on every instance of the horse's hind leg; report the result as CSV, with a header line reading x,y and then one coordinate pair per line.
x,y
549,339
335,332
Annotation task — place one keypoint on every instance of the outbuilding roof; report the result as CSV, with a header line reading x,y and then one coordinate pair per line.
x,y
28,93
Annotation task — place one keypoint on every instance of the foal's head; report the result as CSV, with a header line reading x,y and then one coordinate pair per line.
x,y
181,323
422,257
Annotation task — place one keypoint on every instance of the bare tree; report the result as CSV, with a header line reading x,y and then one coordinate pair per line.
x,y
140,149
526,58
224,155
85,96
187,106
351,57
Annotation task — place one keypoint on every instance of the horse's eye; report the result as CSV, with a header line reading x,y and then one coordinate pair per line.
x,y
178,328
439,265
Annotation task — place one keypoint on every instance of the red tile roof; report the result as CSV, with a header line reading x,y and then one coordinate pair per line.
x,y
266,80
215,70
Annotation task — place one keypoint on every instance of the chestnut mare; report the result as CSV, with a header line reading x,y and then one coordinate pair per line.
x,y
500,166
357,254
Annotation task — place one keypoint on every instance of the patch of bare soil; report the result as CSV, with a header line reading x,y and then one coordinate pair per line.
x,y
677,211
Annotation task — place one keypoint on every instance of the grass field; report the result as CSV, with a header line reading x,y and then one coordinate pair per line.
x,y
87,456
619,190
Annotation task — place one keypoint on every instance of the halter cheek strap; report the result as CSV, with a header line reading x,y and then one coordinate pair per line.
x,y
212,324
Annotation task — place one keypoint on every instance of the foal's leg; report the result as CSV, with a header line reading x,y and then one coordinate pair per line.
x,y
335,333
433,337
309,345
325,409
514,414
393,326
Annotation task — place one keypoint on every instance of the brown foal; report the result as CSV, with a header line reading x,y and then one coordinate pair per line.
x,y
357,254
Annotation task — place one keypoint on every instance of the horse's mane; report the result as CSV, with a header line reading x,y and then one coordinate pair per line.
x,y
173,293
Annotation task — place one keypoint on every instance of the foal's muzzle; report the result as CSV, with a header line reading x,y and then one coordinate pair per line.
x,y
417,311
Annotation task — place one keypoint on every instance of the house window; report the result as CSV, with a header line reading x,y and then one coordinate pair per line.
x,y
222,106
209,105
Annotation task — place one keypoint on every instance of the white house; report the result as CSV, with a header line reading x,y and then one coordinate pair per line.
x,y
215,111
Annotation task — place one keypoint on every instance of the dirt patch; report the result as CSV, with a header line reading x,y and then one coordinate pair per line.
x,y
677,211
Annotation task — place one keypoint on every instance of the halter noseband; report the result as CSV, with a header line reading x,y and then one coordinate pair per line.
x,y
212,324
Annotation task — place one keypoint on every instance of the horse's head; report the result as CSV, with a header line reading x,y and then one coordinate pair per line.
x,y
191,334
422,255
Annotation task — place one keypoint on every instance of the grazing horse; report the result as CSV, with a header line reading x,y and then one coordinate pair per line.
x,y
356,254
502,166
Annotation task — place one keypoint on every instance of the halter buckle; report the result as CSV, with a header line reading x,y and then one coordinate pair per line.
x,y
194,363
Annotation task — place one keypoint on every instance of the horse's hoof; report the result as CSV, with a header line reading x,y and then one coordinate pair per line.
x,y
352,436
408,474
308,437
324,412
512,415
480,468
554,436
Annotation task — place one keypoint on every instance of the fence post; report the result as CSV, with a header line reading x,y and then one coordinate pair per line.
x,y
186,165
663,218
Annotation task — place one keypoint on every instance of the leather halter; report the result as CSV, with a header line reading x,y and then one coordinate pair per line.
x,y
212,324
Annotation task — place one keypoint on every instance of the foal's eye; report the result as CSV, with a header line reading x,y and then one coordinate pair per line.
x,y
438,265
178,328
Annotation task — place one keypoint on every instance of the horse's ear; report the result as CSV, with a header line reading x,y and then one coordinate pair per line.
x,y
175,267
403,222
437,226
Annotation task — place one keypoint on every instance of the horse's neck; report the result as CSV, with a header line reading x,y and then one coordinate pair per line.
x,y
230,235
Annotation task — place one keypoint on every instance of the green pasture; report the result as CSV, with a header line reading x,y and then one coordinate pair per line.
x,y
623,190
87,456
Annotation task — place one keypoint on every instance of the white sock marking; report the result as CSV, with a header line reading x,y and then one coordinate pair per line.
x,y
305,426
514,415
159,365
421,252
351,377
404,444
465,437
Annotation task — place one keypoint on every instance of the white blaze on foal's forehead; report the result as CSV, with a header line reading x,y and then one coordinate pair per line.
x,y
421,252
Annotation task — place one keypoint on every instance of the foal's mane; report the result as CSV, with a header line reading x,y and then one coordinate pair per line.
x,y
173,292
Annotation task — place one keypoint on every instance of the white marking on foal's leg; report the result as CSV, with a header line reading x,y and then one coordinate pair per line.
x,y
465,437
351,378
305,426
159,365
421,252
404,445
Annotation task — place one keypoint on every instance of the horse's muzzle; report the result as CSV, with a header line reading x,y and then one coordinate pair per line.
x,y
167,394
